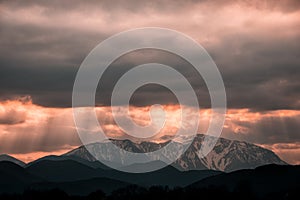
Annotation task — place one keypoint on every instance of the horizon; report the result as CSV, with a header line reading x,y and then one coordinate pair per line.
x,y
32,159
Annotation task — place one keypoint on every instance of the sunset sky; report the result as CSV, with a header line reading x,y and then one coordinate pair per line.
x,y
255,44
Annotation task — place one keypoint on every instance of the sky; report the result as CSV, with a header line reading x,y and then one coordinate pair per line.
x,y
255,44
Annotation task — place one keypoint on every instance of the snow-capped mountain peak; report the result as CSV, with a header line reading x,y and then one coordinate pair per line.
x,y
227,155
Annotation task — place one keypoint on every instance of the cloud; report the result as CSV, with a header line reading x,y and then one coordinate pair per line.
x,y
11,116
255,45
290,152
42,129
50,130
263,127
12,112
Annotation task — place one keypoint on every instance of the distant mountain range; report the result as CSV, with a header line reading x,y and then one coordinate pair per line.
x,y
80,179
75,178
78,173
227,155
14,178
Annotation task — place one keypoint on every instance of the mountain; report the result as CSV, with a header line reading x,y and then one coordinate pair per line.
x,y
61,170
93,164
14,178
5,157
47,175
227,155
77,172
265,182
168,176
261,181
72,171
145,166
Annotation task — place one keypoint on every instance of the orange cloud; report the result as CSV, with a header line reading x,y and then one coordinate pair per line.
x,y
29,157
13,112
290,152
45,131
41,129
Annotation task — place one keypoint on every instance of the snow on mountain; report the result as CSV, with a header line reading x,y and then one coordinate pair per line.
x,y
227,155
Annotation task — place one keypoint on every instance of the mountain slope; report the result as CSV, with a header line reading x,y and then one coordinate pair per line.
x,y
93,164
61,170
5,157
71,171
168,176
227,155
14,178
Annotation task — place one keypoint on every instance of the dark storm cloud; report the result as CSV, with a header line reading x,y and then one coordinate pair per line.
x,y
44,42
41,62
152,93
260,72
136,5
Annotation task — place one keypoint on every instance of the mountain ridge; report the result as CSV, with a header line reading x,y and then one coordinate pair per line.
x,y
227,155
6,157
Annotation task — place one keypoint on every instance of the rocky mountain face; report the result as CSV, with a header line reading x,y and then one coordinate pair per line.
x,y
227,155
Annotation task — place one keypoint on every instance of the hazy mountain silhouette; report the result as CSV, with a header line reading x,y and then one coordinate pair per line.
x,y
14,178
93,164
61,170
5,157
168,176
70,170
74,178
